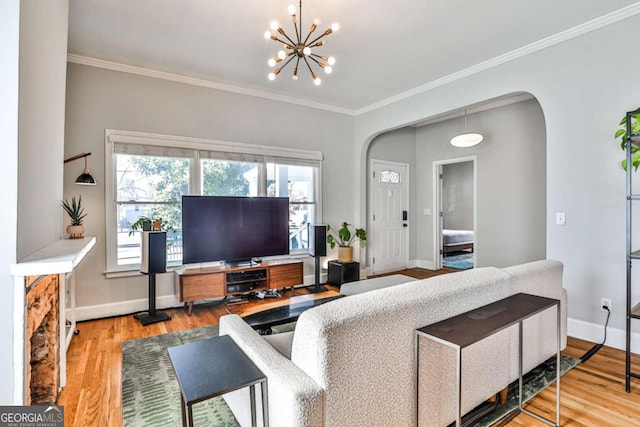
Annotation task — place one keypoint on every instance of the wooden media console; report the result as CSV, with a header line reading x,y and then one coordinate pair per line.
x,y
215,282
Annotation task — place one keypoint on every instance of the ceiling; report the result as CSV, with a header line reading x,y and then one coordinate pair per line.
x,y
382,49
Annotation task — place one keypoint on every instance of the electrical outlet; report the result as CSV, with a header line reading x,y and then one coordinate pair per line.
x,y
605,302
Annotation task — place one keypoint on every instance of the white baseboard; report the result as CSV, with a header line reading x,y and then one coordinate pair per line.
x,y
616,338
420,263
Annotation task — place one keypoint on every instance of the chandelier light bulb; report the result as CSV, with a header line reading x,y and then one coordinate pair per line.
x,y
267,35
331,60
291,9
274,25
307,50
317,22
335,26
282,54
294,77
272,62
328,69
317,81
272,76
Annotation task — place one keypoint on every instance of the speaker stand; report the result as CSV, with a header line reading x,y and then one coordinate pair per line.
x,y
317,287
153,315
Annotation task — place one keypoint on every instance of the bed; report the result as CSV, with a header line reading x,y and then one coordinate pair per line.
x,y
457,240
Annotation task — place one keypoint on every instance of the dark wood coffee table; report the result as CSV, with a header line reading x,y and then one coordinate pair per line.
x,y
263,321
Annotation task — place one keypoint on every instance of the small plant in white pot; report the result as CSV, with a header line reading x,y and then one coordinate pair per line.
x,y
76,214
344,237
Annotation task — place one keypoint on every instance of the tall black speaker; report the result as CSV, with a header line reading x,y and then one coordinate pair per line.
x,y
317,249
154,260
317,239
154,252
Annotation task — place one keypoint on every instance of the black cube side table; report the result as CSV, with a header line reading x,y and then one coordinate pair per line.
x,y
213,367
343,272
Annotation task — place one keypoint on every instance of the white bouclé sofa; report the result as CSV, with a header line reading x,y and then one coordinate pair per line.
x,y
351,362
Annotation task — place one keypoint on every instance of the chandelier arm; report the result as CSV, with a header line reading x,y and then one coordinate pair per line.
x,y
317,56
308,66
316,61
286,62
309,35
316,39
282,41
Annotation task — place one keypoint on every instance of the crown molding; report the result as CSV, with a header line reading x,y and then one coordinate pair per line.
x,y
571,33
594,24
179,78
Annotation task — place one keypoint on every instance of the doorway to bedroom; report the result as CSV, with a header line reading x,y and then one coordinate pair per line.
x,y
456,222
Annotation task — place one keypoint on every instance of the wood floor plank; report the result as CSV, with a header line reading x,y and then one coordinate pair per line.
x,y
592,393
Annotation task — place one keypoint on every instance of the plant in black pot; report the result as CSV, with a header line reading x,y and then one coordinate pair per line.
x,y
344,237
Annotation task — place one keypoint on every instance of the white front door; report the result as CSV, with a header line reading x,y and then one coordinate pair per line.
x,y
389,216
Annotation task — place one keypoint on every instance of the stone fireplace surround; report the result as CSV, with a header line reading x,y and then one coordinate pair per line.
x,y
42,339
44,293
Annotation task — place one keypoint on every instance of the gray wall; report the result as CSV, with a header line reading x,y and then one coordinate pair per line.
x,y
511,183
33,52
98,99
43,65
9,74
457,196
583,90
397,146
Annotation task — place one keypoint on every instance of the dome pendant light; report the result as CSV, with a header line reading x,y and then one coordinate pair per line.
x,y
85,178
467,139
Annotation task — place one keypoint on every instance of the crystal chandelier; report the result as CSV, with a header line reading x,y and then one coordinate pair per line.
x,y
300,49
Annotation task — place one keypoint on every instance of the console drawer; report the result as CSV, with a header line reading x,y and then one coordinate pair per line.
x,y
203,286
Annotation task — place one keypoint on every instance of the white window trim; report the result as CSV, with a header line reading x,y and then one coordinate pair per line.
x,y
113,136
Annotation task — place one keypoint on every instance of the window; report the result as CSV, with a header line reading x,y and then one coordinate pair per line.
x,y
147,175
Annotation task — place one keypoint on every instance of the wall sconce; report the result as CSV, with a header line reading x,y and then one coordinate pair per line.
x,y
85,178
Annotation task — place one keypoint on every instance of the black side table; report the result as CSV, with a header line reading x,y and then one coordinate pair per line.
x,y
213,367
343,272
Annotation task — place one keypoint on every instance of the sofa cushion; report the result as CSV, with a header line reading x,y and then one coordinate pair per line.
x,y
281,342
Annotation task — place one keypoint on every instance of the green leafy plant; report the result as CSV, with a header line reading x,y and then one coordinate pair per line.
x,y
141,224
74,210
344,237
622,134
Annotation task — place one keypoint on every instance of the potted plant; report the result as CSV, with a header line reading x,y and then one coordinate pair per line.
x,y
147,224
622,134
76,214
344,237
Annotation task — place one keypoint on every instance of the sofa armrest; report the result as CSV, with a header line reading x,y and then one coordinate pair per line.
x,y
295,399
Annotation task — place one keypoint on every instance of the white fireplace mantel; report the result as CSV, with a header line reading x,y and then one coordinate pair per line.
x,y
61,257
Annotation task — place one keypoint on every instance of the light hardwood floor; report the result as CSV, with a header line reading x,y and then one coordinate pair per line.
x,y
592,393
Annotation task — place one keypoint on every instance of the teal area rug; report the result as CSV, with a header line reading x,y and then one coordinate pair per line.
x,y
459,261
151,396
150,391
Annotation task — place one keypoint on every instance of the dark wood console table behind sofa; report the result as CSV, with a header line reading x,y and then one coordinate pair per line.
x,y
213,282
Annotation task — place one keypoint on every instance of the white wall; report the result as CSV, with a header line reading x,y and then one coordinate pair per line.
x,y
9,74
457,195
98,99
398,146
584,85
510,173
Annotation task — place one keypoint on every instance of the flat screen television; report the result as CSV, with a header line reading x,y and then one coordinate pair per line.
x,y
233,229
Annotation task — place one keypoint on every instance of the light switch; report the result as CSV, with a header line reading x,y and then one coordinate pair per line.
x,y
560,218
426,211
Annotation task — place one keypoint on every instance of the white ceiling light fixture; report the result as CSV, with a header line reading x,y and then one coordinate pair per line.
x,y
300,49
467,139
